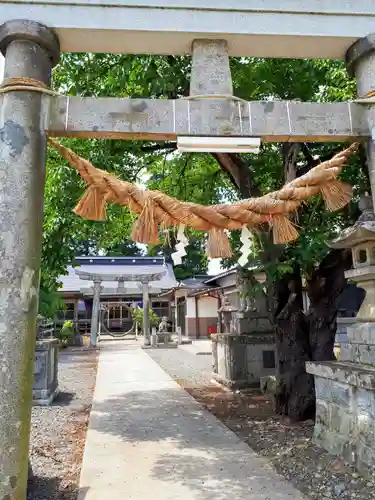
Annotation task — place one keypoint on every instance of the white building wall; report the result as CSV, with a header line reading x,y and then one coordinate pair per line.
x,y
190,307
207,307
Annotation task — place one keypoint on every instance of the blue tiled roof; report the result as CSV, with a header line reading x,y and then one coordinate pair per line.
x,y
72,283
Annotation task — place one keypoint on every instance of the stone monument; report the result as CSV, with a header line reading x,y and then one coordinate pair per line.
x,y
244,347
45,386
345,389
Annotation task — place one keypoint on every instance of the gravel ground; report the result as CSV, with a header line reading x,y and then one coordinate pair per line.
x,y
58,431
181,365
288,446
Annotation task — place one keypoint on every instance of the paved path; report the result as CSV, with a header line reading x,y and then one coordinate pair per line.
x,y
148,438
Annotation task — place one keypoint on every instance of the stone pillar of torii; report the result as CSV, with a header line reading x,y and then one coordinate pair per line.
x,y
31,50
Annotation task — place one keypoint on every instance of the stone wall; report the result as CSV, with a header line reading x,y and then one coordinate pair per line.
x,y
345,412
345,399
342,329
361,344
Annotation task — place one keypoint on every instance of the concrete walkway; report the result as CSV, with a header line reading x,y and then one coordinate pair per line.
x,y
148,439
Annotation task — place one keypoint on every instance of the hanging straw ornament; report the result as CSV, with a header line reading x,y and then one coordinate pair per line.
x,y
180,247
218,245
246,239
155,209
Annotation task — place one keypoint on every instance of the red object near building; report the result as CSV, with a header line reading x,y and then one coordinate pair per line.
x,y
211,329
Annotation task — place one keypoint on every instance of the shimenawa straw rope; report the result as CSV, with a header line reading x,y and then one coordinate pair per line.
x,y
155,209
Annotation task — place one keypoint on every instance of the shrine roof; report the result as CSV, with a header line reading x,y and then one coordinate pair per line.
x,y
117,266
204,291
212,279
195,283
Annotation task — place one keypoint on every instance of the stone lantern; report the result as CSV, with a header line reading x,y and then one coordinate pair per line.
x,y
345,389
360,238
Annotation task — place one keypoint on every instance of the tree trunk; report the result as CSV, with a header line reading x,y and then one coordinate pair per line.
x,y
295,395
325,287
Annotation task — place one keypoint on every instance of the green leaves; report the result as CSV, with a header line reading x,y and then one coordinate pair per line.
x,y
137,315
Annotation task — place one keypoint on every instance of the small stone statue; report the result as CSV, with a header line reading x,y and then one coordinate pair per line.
x,y
243,284
163,326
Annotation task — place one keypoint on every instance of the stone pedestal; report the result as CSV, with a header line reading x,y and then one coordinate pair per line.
x,y
161,340
45,387
241,360
244,349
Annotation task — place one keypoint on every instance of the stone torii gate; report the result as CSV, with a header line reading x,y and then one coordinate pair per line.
x,y
29,111
145,279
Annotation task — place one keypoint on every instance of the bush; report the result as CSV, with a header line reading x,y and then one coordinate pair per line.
x,y
137,314
66,333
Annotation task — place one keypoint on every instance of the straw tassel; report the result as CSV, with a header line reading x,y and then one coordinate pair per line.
x,y
167,236
283,230
92,205
145,229
336,194
218,245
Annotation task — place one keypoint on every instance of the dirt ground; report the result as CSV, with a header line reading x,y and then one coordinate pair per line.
x,y
288,446
58,432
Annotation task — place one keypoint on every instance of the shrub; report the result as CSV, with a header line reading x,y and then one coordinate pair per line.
x,y
66,333
137,314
